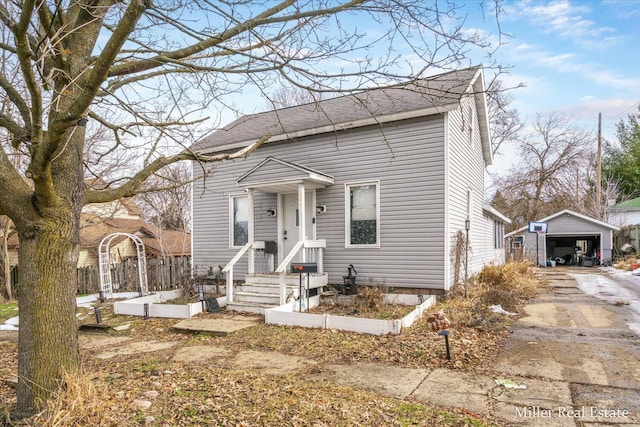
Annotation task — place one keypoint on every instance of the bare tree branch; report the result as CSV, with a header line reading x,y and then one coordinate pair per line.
x,y
134,185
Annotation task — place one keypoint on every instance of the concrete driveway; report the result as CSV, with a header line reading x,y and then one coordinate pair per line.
x,y
582,341
571,360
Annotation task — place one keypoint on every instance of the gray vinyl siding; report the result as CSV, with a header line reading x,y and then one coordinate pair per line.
x,y
485,247
406,157
466,172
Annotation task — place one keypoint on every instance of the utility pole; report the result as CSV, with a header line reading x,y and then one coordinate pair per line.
x,y
599,175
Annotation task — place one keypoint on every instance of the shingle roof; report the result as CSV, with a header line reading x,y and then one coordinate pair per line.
x,y
438,91
157,241
161,242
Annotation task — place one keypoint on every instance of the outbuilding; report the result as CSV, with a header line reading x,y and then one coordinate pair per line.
x,y
564,238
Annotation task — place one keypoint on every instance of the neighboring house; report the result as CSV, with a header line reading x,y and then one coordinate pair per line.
x,y
625,213
570,238
122,216
158,243
382,180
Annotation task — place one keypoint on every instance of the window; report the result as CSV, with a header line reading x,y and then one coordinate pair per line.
x,y
498,234
239,220
362,214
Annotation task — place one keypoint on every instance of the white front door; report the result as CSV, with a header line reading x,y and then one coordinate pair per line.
x,y
291,220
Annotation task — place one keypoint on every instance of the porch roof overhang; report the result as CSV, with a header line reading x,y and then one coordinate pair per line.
x,y
273,175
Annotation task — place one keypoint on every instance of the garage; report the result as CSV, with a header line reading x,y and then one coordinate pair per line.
x,y
575,249
570,239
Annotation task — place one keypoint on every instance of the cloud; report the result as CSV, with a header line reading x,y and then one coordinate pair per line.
x,y
571,64
613,109
564,19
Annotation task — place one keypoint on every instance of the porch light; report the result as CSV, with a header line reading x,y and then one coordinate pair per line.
x,y
271,212
321,208
467,224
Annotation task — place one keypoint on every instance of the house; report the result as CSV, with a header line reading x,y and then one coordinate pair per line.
x,y
121,216
570,239
158,243
385,181
625,213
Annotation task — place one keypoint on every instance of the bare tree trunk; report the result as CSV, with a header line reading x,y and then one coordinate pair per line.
x,y
48,259
6,262
6,267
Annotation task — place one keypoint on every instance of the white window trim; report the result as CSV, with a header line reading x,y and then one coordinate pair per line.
x,y
471,130
231,222
347,213
498,231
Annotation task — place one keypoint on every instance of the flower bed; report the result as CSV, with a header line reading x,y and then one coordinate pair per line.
x,y
158,306
285,315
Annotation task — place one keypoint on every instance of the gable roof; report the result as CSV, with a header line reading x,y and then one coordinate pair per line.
x,y
632,204
432,95
567,212
277,176
161,242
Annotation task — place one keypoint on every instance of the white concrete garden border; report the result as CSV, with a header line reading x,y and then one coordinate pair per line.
x,y
157,308
285,315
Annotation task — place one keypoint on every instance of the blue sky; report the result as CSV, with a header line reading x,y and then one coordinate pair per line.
x,y
575,57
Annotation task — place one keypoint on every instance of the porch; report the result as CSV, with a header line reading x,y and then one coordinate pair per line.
x,y
266,286
268,281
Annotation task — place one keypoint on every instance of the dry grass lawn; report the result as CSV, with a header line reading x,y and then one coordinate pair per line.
x,y
216,392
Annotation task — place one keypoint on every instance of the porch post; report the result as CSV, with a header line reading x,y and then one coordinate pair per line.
x,y
302,218
251,237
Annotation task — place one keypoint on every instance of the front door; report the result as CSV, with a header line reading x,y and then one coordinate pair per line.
x,y
291,220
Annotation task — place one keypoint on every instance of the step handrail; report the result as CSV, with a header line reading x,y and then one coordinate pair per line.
x,y
236,258
282,268
287,260
228,269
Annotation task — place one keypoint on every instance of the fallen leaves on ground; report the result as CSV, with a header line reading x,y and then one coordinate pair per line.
x,y
154,389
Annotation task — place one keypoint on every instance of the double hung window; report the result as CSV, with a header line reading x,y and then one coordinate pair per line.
x,y
239,220
362,216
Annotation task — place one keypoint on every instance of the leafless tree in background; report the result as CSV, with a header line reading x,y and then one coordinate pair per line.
x,y
505,122
554,156
169,209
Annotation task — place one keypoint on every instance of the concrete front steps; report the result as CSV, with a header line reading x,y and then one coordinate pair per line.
x,y
262,291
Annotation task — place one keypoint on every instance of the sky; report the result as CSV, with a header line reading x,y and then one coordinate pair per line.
x,y
575,57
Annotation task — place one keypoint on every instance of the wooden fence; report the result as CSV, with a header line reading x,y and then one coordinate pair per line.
x,y
629,234
162,274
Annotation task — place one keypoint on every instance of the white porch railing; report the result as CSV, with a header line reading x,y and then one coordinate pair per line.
x,y
312,251
228,270
264,263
